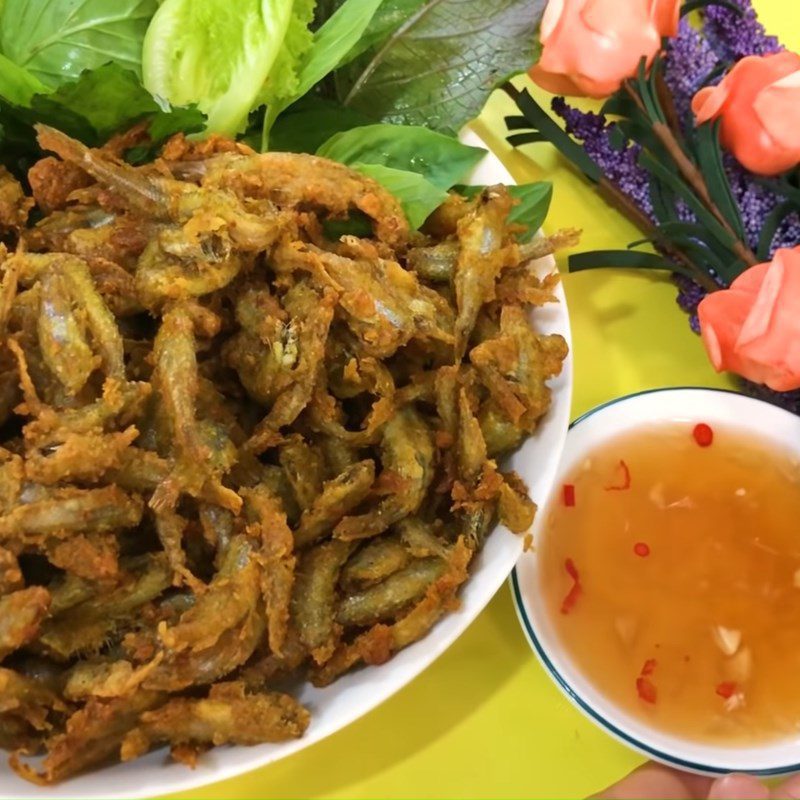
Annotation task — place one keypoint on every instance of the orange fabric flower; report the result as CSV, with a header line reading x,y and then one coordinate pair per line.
x,y
759,104
753,328
591,46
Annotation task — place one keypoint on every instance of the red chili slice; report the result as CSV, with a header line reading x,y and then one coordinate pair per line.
x,y
646,690
625,483
642,549
726,689
649,666
703,434
569,495
568,603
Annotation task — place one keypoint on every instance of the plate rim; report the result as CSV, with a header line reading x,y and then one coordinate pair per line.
x,y
215,771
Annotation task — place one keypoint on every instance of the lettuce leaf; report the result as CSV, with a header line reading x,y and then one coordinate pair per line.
x,y
92,108
331,44
216,54
17,85
283,81
58,39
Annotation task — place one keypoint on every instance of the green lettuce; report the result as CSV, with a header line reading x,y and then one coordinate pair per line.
x,y
216,54
56,40
91,108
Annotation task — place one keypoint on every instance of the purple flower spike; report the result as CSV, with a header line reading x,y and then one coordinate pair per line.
x,y
734,36
690,59
619,166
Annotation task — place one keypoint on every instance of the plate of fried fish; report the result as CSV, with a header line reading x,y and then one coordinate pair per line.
x,y
257,470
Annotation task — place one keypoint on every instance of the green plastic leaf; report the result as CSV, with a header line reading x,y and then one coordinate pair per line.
x,y
310,122
771,224
215,54
441,160
17,85
58,39
630,259
532,204
542,123
676,185
709,159
439,67
418,196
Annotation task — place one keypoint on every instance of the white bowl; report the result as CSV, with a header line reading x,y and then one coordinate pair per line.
x,y
355,694
771,425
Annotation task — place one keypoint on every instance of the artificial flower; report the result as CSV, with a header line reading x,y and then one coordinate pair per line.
x,y
589,47
753,328
758,102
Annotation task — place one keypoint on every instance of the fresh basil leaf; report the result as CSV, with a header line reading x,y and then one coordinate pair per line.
x,y
17,85
332,42
58,39
356,224
530,210
388,18
440,159
439,67
304,126
215,54
418,196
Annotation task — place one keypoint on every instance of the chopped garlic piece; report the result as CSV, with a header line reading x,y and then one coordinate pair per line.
x,y
740,492
684,502
727,639
734,702
657,495
627,626
797,579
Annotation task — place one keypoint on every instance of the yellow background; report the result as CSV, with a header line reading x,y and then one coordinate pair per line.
x,y
485,720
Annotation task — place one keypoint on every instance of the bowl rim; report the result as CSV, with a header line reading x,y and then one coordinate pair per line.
x,y
577,699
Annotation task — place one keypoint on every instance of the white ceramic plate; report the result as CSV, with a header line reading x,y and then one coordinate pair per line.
x,y
774,427
354,695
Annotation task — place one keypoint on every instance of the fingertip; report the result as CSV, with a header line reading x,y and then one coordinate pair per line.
x,y
788,790
656,782
738,787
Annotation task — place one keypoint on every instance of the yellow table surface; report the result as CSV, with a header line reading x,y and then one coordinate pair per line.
x,y
485,720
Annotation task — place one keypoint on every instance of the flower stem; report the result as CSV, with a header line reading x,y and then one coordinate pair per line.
x,y
619,200
692,176
610,192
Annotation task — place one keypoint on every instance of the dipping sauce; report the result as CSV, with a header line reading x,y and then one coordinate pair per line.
x,y
671,567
